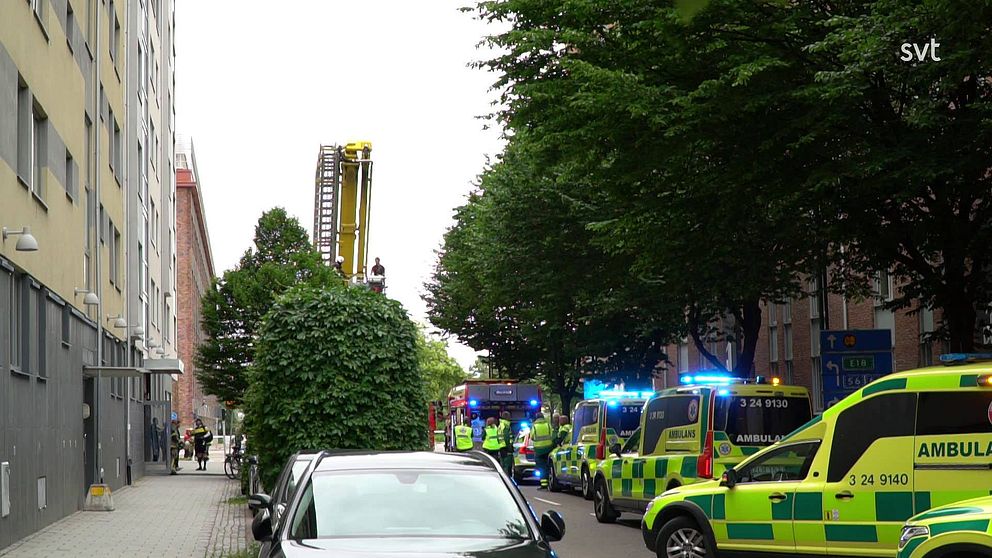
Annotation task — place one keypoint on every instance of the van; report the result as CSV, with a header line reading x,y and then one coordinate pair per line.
x,y
692,433
844,483
597,424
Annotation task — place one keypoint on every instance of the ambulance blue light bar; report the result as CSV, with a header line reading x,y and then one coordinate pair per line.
x,y
533,402
612,403
613,394
958,358
711,378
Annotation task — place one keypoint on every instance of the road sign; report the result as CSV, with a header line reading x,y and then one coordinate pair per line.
x,y
175,415
853,359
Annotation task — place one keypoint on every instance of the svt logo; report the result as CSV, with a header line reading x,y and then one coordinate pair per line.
x,y
913,50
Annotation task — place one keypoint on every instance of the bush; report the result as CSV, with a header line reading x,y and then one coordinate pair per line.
x,y
334,368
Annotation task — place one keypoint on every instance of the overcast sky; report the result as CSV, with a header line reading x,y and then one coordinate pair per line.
x,y
261,85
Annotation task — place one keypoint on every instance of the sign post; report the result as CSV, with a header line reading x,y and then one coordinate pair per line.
x,y
853,359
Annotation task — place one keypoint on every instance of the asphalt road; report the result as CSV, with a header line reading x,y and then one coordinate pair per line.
x,y
584,536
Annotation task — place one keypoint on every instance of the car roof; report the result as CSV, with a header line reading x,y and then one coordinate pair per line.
x,y
343,460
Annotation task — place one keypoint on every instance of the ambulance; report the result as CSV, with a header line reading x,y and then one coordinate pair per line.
x,y
597,424
692,433
845,483
952,531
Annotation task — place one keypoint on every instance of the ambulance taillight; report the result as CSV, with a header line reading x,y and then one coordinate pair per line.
x,y
704,465
601,447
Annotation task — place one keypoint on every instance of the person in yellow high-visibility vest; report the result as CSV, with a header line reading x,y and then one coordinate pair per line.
x,y
506,441
542,436
463,437
491,443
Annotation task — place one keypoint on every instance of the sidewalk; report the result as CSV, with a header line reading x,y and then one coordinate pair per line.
x,y
186,515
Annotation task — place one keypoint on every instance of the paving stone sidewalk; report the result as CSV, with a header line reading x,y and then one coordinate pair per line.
x,y
186,515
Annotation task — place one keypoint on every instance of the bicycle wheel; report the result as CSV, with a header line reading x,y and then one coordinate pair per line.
x,y
235,468
229,468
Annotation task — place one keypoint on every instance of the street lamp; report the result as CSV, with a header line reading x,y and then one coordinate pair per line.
x,y
90,299
27,242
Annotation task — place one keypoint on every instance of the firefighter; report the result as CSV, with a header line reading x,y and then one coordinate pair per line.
x,y
506,441
176,443
543,444
463,437
491,444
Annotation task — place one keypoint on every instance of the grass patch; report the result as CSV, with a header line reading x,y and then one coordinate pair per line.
x,y
238,501
250,552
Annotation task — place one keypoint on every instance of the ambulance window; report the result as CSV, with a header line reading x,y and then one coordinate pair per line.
x,y
788,463
668,412
954,412
584,416
631,444
759,420
623,419
883,416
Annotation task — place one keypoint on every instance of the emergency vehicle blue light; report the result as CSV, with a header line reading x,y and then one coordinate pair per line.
x,y
473,403
523,425
533,402
647,394
723,392
537,474
964,357
612,402
611,394
715,378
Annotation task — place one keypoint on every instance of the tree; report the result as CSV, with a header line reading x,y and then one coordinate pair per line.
x,y
233,308
335,368
519,277
440,371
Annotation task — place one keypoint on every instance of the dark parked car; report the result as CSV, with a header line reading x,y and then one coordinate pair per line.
x,y
352,504
289,479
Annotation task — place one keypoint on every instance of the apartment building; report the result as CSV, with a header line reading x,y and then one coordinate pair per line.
x,y
76,370
788,344
195,277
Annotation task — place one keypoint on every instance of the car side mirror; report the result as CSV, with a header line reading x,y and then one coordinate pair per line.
x,y
729,478
260,502
261,527
552,526
616,449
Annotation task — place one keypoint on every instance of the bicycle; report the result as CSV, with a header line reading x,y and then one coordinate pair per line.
x,y
232,463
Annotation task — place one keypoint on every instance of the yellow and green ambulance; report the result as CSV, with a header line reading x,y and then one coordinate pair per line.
x,y
952,531
597,424
692,433
846,482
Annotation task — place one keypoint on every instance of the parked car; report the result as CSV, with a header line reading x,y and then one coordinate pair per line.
x,y
352,503
289,479
524,464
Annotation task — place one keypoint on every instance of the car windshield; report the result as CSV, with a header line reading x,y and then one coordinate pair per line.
x,y
408,503
760,420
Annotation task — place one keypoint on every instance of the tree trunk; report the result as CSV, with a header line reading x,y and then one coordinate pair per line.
x,y
961,319
751,311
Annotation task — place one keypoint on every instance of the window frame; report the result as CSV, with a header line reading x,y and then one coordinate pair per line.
x,y
775,450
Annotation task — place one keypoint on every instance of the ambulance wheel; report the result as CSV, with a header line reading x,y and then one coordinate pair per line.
x,y
601,503
553,485
586,487
682,538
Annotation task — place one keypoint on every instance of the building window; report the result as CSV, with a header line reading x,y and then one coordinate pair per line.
x,y
115,257
18,319
115,30
154,297
787,311
42,333
883,288
71,180
926,329
66,325
38,150
772,334
117,153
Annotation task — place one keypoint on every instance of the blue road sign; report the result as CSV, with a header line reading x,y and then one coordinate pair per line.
x,y
853,359
175,415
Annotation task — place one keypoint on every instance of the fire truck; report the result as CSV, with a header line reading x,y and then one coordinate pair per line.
x,y
489,398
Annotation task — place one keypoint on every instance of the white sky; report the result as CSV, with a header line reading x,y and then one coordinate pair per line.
x,y
260,85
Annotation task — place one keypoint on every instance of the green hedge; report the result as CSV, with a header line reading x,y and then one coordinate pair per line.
x,y
334,368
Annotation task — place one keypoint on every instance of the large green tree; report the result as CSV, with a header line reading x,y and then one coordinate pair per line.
x,y
232,309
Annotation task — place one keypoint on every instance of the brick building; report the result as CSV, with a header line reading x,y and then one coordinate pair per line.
x,y
194,277
789,339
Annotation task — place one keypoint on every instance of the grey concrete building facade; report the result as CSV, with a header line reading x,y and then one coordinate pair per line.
x,y
73,382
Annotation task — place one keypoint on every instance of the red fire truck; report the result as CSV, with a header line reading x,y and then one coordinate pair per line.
x,y
482,399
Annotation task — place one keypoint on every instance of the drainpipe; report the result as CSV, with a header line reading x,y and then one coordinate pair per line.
x,y
128,191
98,473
